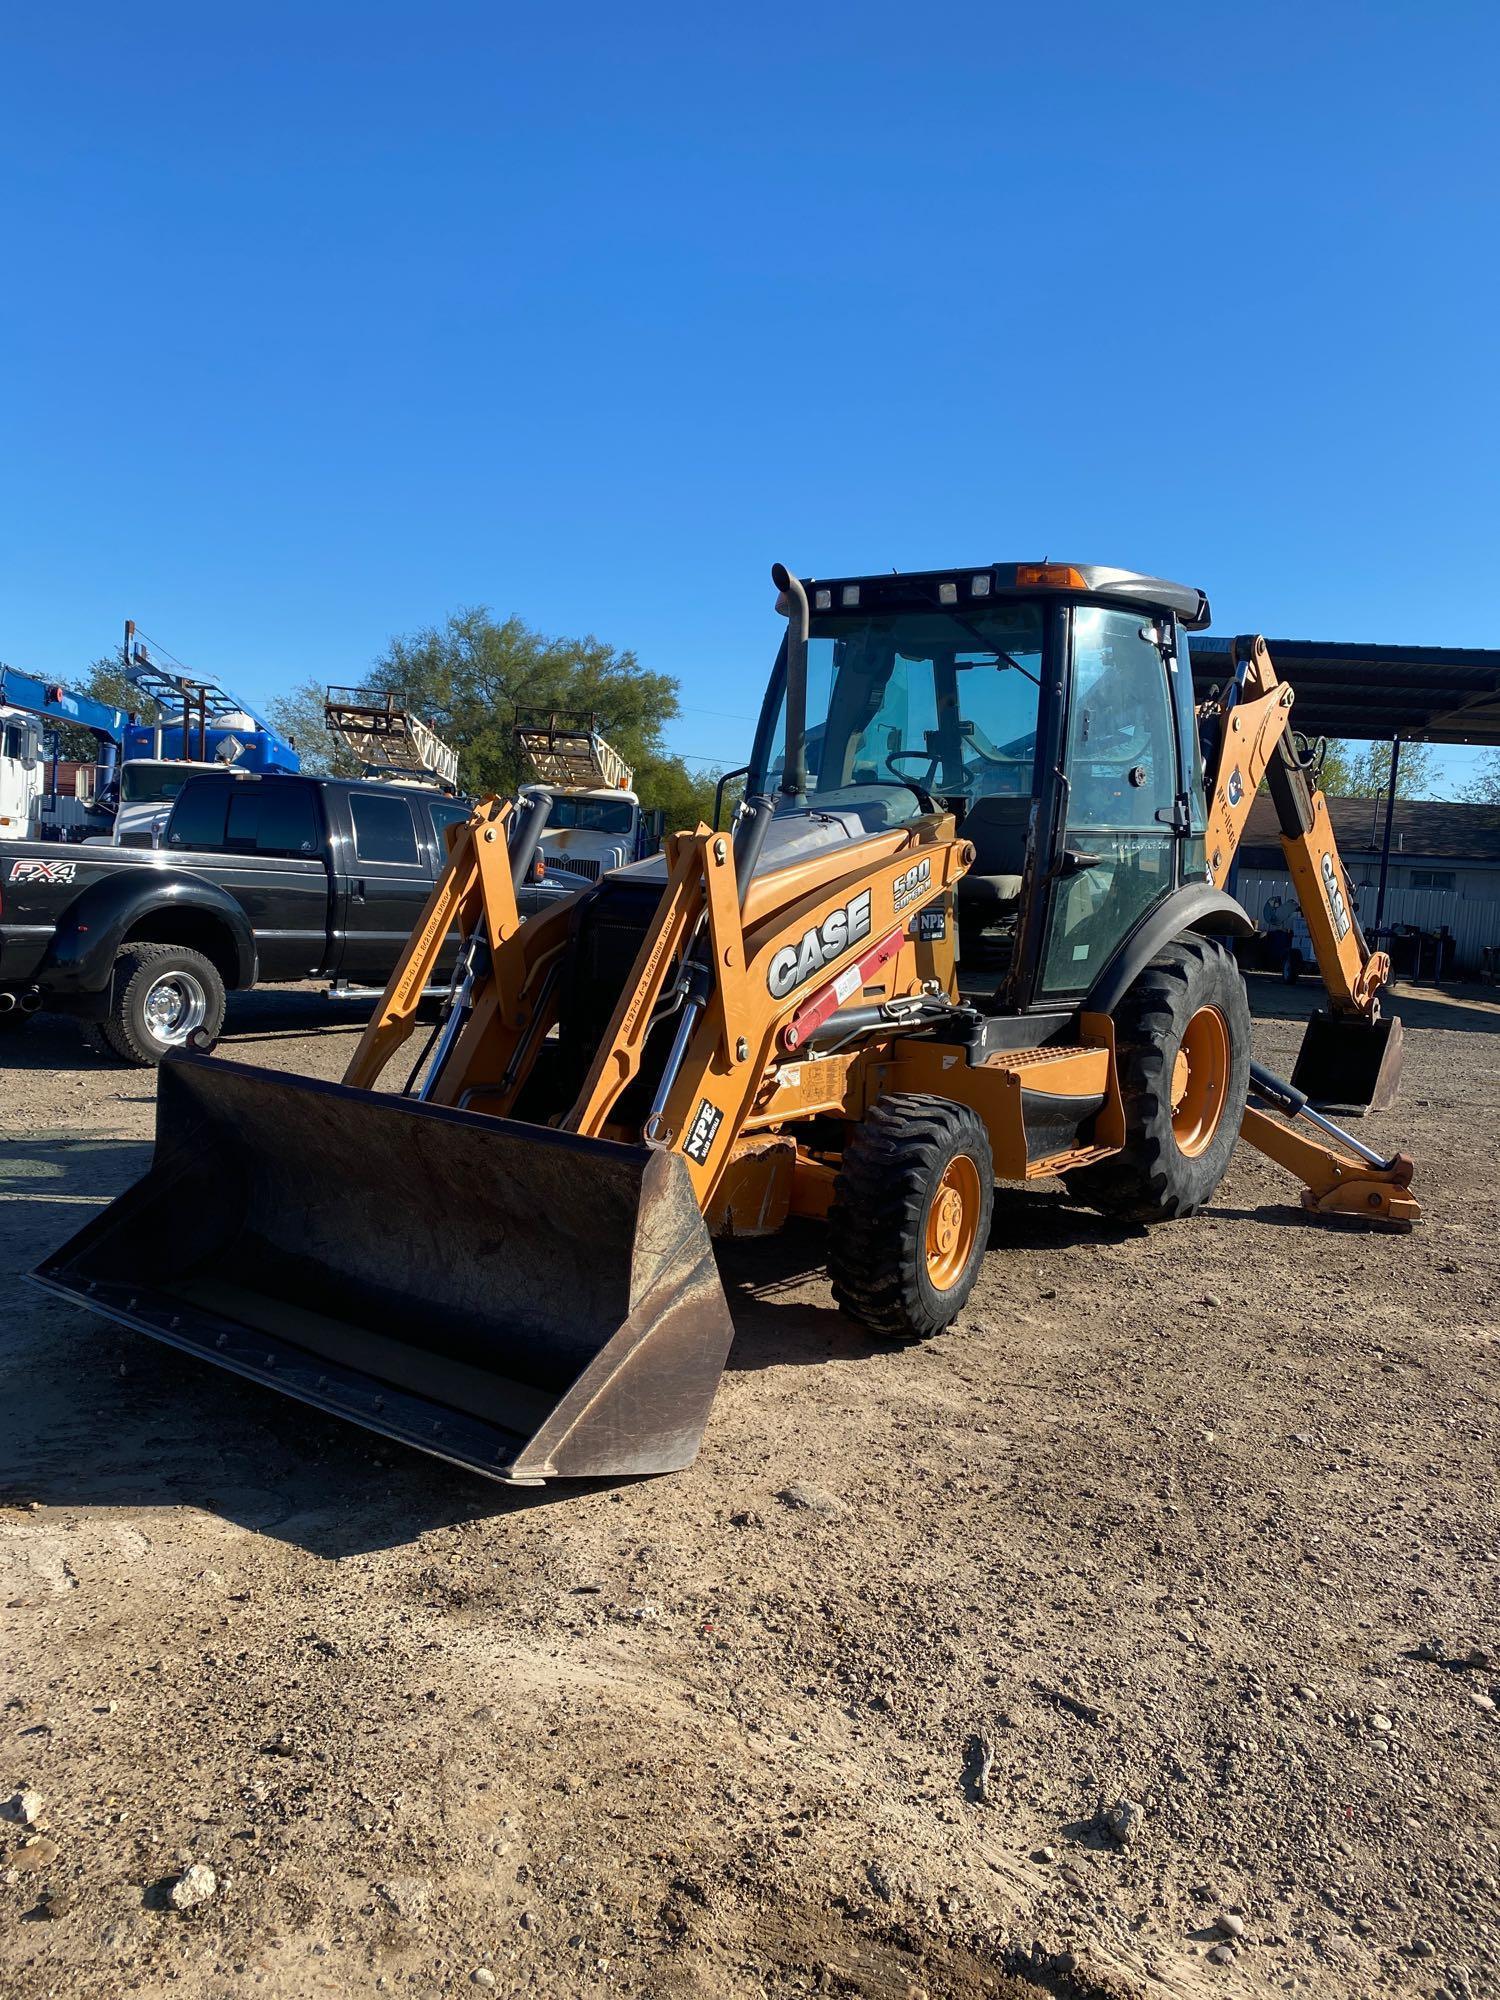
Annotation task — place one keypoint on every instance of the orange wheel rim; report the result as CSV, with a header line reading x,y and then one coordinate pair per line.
x,y
1200,1081
952,1223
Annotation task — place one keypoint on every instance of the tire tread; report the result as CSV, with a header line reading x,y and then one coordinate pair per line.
x,y
876,1224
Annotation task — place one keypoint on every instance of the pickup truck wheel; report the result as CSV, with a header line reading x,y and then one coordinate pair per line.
x,y
162,994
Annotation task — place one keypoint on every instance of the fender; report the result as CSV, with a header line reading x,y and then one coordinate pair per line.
x,y
1195,906
80,959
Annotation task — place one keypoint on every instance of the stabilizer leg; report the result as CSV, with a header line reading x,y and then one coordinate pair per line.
x,y
1364,1188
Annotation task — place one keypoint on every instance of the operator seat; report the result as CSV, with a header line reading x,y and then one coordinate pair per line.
x,y
997,827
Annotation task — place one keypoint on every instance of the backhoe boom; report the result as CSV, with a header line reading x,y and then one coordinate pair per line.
x,y
1351,1056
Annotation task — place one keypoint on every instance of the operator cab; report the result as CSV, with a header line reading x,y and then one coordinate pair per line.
x,y
1049,708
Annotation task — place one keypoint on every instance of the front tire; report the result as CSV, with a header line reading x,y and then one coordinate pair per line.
x,y
911,1213
162,995
1182,1042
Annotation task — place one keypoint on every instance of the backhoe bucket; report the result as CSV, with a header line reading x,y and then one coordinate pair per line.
x,y
518,1300
1346,1064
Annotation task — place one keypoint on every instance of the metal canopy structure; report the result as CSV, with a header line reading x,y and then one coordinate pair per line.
x,y
1435,694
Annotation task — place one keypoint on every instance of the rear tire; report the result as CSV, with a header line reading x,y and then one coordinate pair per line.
x,y
162,994
1182,1039
911,1213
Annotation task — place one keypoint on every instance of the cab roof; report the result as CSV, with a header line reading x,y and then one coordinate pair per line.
x,y
971,585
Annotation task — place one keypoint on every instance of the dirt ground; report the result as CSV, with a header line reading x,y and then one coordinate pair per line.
x,y
1168,1519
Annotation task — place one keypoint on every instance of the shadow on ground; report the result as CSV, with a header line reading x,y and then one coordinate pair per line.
x,y
1464,1008
58,1042
114,1420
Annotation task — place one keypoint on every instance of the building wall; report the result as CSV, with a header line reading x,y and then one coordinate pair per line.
x,y
1471,909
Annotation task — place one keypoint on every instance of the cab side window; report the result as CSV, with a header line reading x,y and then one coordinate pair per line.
x,y
383,828
1121,732
198,816
445,813
1122,787
274,819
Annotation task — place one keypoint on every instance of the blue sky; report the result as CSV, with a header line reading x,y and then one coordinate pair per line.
x,y
322,320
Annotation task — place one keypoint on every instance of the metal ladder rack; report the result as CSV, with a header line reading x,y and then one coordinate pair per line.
x,y
375,725
565,749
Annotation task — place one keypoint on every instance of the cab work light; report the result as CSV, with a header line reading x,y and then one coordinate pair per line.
x,y
1051,576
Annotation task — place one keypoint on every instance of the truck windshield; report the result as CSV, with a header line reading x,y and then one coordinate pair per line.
x,y
141,780
591,815
944,702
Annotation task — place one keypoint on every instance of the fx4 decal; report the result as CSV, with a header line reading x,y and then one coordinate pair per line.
x,y
43,871
795,964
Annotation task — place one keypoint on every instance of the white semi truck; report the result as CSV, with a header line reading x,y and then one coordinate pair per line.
x,y
596,822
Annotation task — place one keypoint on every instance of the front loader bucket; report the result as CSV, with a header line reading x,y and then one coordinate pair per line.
x,y
1346,1064
515,1299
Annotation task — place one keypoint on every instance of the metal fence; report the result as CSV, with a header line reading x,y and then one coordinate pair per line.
x,y
1473,920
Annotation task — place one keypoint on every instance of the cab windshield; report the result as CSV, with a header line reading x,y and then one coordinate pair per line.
x,y
939,702
591,815
141,780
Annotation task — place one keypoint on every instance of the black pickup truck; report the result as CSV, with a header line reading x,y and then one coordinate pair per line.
x,y
257,880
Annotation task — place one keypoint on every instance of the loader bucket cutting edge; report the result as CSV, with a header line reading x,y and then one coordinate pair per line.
x,y
1350,1065
515,1299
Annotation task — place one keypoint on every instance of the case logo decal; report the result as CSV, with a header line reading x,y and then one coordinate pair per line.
x,y
1338,909
795,964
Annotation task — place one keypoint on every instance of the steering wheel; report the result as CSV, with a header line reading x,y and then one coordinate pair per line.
x,y
929,757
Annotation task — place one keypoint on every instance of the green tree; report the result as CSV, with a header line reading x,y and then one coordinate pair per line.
x,y
299,716
469,676
1363,771
1483,788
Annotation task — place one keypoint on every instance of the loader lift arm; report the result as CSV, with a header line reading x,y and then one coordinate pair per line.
x,y
1351,1054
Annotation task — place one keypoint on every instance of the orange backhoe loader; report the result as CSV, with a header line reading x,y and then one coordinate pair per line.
x,y
970,925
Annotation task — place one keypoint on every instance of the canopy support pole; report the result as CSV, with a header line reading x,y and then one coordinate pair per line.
x,y
1385,843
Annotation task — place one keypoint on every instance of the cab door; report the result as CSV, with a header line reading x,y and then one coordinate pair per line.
x,y
1122,807
388,881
